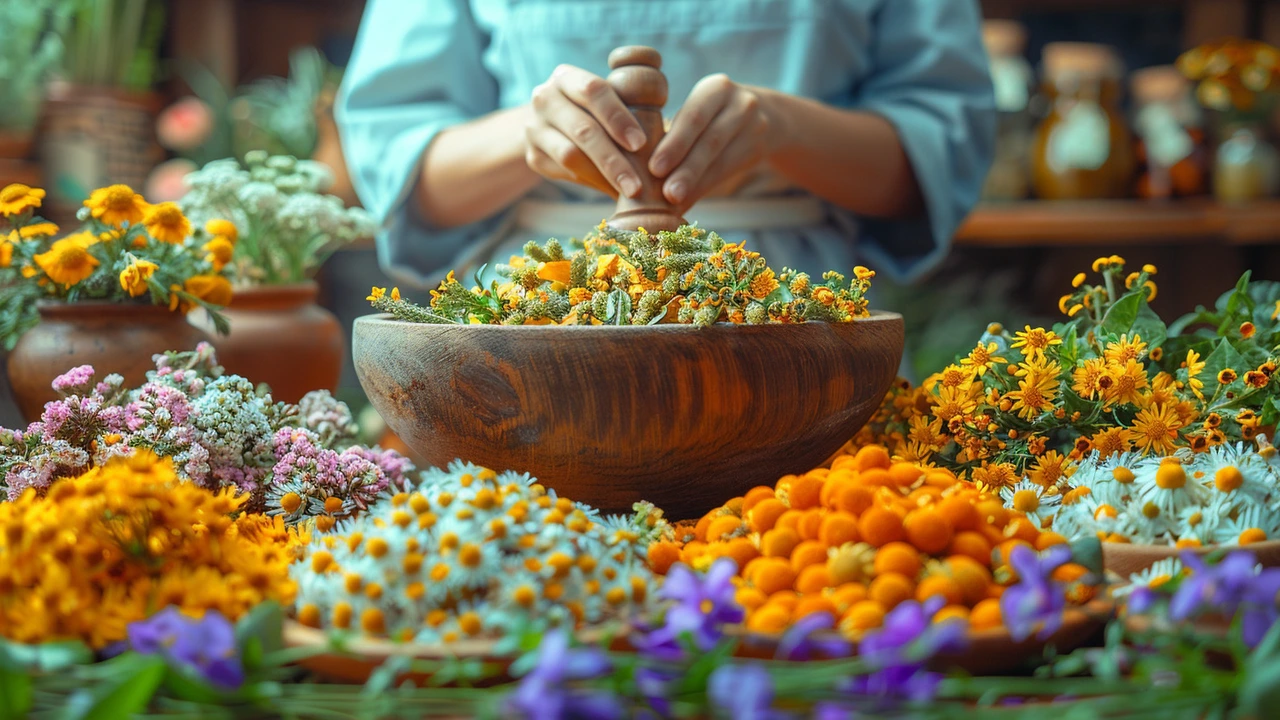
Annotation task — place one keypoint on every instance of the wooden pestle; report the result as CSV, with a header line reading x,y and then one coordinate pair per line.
x,y
637,78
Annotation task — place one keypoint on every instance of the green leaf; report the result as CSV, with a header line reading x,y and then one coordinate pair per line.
x,y
1223,356
16,695
1236,302
48,657
1088,552
1149,326
1120,317
264,623
135,679
1260,687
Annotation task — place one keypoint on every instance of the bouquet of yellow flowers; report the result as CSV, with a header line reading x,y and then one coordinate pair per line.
x,y
127,250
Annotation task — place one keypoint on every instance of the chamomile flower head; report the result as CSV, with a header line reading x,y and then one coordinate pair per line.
x,y
1167,484
1142,523
1200,522
1160,572
467,553
1248,524
1031,500
1235,471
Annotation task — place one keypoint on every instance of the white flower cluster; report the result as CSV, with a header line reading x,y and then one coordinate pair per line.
x,y
1229,495
470,553
278,205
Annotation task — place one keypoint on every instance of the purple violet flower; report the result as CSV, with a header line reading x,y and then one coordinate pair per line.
x,y
207,645
543,695
1141,600
1035,599
1233,586
798,642
901,647
703,605
742,692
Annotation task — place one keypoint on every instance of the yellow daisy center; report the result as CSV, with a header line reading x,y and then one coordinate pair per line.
x,y
1026,501
1170,476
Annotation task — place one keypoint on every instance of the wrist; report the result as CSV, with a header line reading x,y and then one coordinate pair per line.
x,y
776,108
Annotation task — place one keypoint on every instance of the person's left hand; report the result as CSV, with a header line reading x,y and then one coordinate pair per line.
x,y
722,129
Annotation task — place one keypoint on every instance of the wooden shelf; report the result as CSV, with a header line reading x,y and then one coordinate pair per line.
x,y
1131,222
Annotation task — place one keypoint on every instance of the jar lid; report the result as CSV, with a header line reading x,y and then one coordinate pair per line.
x,y
1004,38
1070,59
1161,83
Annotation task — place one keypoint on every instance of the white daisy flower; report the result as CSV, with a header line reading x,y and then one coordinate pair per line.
x,y
1198,522
1030,499
1137,527
1252,523
1166,485
1160,572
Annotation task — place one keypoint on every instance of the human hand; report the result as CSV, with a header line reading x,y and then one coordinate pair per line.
x,y
722,129
577,130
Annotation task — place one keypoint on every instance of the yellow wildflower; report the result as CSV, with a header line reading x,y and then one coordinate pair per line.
x,y
376,294
1110,441
220,251
1084,378
1155,429
395,293
135,275
1194,367
763,284
1035,395
6,253
68,260
17,198
166,223
995,475
557,271
1050,468
955,401
1127,383
223,228
981,358
116,205
1035,341
1125,349
213,289
1078,280
40,229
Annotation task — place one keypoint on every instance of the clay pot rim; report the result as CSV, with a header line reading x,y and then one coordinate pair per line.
x,y
877,316
62,309
283,295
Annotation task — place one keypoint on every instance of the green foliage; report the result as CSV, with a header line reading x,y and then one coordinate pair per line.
x,y
32,48
114,43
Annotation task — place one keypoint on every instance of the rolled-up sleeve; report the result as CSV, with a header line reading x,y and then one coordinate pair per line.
x,y
416,70
930,79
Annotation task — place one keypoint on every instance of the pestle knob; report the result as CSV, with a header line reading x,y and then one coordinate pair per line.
x,y
639,82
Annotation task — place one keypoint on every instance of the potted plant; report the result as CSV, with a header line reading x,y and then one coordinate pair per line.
x,y
110,295
99,126
286,227
32,48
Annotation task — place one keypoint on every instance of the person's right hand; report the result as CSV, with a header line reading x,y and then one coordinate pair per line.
x,y
577,130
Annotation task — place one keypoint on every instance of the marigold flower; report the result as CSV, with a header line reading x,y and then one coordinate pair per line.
x,y
116,205
17,198
213,289
223,228
220,251
68,261
166,223
133,279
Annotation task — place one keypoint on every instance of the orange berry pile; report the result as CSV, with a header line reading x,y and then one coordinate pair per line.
x,y
857,539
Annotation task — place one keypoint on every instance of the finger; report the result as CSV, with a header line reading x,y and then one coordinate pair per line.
x,y
584,132
594,94
704,103
718,136
743,151
551,155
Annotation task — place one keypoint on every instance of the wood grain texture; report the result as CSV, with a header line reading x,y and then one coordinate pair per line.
x,y
639,82
681,416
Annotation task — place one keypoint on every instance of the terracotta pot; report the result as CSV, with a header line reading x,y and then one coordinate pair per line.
x,y
112,337
281,337
15,145
1124,559
93,137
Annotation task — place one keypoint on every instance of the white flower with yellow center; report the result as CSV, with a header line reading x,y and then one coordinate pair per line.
x,y
1031,500
1249,524
1166,485
1160,572
1199,522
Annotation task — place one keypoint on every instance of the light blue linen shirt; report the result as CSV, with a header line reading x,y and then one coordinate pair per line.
x,y
421,66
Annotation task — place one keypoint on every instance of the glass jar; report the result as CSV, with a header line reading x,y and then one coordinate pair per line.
x,y
1082,148
1011,76
1170,151
1246,166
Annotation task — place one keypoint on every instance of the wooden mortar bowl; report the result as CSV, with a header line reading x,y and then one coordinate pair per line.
x,y
681,416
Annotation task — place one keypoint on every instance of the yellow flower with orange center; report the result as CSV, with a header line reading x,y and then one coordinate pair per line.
x,y
1194,367
1035,395
68,260
763,284
955,401
1110,441
166,223
1128,381
1050,468
1033,342
116,205
982,358
1084,378
1125,349
1155,430
17,198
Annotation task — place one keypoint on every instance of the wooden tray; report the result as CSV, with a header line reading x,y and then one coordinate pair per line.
x,y
1124,559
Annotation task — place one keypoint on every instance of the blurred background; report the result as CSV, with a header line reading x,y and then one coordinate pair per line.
x,y
1106,146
